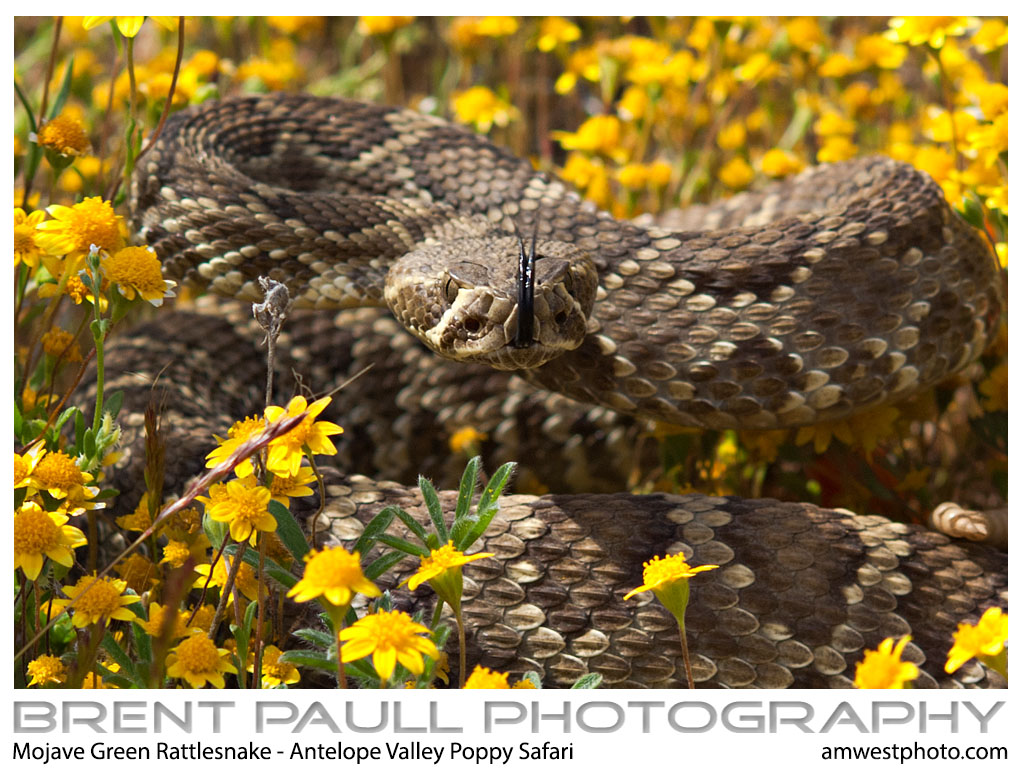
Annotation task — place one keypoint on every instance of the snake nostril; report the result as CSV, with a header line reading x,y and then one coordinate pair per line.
x,y
561,317
472,325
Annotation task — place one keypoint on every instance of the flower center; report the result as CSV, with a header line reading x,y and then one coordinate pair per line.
x,y
21,468
100,600
199,654
58,470
333,567
137,267
65,135
93,222
23,241
35,533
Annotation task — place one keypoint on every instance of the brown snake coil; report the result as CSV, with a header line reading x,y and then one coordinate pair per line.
x,y
847,287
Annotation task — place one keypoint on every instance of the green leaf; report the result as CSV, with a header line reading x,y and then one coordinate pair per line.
x,y
383,564
434,508
65,89
413,525
58,425
121,681
466,488
462,529
113,403
117,654
402,545
242,634
374,528
488,506
17,420
289,531
28,108
588,681
143,644
315,637
534,678
89,444
274,570
308,659
79,429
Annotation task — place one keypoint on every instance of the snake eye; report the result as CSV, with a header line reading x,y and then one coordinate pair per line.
x,y
451,291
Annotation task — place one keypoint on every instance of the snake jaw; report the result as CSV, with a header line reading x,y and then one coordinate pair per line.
x,y
465,311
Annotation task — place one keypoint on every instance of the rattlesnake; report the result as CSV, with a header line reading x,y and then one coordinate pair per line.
x,y
850,286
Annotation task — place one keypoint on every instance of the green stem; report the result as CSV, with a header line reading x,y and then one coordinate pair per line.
x,y
229,583
686,654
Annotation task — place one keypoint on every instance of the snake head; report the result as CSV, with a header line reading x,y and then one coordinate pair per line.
x,y
461,298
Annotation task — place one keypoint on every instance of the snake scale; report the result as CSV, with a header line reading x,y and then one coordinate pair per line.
x,y
849,286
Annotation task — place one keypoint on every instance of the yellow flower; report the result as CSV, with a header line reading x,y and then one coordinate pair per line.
x,y
986,639
804,33
481,107
877,51
301,25
465,439
601,133
634,103
992,34
58,474
58,343
589,174
139,572
660,573
275,672
175,553
832,123
25,464
916,30
74,230
94,682
733,135
26,249
137,269
39,534
245,580
164,618
238,433
872,426
199,661
756,68
482,677
244,509
497,26
64,135
47,669
284,454
392,637
138,520
780,162
129,26
837,65
836,149
101,601
555,30
336,574
737,173
382,25
525,684
883,668
284,488
993,98
441,561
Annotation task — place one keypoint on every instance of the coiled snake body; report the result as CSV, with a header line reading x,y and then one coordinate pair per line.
x,y
850,286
